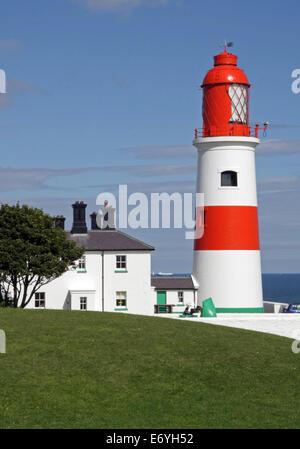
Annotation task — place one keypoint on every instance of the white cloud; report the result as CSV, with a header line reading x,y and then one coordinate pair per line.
x,y
32,178
15,87
9,44
278,185
278,146
162,152
153,169
121,83
118,5
265,148
186,186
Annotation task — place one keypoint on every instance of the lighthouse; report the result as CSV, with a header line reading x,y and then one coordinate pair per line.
x,y
227,263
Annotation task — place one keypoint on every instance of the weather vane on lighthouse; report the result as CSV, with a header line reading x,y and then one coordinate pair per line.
x,y
226,45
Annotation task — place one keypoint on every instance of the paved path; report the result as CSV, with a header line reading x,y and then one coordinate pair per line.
x,y
285,325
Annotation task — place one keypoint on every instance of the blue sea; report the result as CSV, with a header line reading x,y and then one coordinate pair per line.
x,y
281,287
277,287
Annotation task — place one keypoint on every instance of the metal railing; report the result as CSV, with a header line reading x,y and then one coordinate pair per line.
x,y
163,308
231,130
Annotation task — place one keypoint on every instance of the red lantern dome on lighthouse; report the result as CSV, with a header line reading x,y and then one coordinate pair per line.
x,y
225,106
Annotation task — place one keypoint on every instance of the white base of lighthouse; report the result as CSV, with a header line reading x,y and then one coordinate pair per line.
x,y
231,278
227,264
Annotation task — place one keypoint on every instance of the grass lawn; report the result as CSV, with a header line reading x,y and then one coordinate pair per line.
x,y
67,369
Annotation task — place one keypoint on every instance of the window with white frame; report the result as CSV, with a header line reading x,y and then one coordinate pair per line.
x,y
83,303
82,263
180,296
121,263
40,300
121,299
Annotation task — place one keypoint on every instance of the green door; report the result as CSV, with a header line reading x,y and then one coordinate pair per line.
x,y
161,298
161,301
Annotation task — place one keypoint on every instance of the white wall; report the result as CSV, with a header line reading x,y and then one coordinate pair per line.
x,y
217,154
231,278
172,297
65,291
189,298
58,291
75,299
136,282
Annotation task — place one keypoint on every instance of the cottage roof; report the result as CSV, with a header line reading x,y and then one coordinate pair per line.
x,y
172,282
108,240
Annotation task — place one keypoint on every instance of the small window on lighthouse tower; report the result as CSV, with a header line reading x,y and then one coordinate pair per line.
x,y
229,178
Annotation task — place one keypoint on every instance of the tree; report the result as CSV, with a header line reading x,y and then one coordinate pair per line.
x,y
33,252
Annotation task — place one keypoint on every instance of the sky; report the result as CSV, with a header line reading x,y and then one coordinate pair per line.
x,y
107,92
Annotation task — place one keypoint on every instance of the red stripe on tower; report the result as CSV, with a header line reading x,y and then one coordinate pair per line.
x,y
229,228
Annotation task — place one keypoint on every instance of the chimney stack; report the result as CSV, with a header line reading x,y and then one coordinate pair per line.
x,y
79,224
59,221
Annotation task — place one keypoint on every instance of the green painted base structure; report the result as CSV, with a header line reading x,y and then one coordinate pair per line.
x,y
208,308
240,310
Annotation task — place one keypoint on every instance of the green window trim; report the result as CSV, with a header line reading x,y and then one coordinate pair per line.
x,y
121,271
81,271
120,308
180,305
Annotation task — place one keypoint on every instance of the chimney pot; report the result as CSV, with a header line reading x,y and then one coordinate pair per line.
x,y
94,225
59,221
79,224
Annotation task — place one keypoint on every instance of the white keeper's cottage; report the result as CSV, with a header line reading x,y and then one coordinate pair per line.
x,y
113,275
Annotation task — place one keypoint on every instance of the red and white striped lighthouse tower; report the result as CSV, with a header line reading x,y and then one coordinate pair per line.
x,y
227,257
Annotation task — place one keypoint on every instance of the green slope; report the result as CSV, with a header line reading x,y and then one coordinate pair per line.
x,y
68,369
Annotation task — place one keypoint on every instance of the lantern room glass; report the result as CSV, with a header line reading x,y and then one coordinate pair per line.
x,y
239,103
